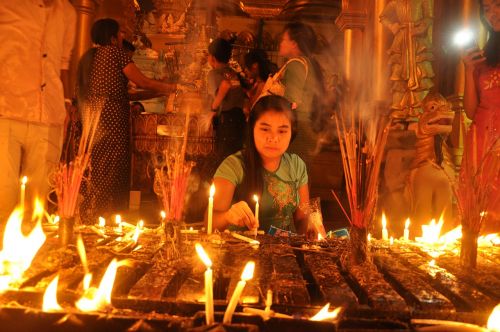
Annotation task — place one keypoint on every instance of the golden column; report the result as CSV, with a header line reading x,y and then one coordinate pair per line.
x,y
85,11
353,20
470,19
380,58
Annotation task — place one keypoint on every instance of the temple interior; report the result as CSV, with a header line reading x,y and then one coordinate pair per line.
x,y
402,226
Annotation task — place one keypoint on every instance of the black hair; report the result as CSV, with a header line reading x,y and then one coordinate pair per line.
x,y
221,49
128,46
305,37
492,47
253,181
260,58
104,30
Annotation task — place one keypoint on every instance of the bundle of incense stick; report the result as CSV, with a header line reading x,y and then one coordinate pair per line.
x,y
173,181
476,184
69,173
362,148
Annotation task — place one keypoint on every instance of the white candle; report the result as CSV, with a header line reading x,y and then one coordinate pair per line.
x,y
269,302
23,191
406,234
245,276
385,233
209,293
210,209
244,238
256,214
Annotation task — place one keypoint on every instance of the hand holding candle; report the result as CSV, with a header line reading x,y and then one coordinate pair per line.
x,y
209,294
406,234
210,209
245,276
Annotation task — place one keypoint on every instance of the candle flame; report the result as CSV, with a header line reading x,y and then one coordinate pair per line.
x,y
248,271
203,255
212,190
320,238
407,223
384,221
19,250
369,237
256,198
391,241
24,180
102,222
163,214
140,224
100,298
431,232
494,320
118,219
81,252
50,297
86,281
324,314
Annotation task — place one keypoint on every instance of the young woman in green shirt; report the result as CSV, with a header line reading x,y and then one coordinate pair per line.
x,y
265,169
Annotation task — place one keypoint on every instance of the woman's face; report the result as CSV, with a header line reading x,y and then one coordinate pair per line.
x,y
492,13
272,134
287,45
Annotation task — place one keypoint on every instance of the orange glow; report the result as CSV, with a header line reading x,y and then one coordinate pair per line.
x,y
320,238
50,297
212,190
431,232
324,314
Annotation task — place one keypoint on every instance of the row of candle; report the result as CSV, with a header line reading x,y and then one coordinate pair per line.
x,y
211,209
385,232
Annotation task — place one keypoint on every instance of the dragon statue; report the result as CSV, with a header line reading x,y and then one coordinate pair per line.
x,y
432,172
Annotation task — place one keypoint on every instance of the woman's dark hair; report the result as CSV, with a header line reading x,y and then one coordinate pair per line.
x,y
128,46
220,49
104,30
260,58
253,182
305,37
492,47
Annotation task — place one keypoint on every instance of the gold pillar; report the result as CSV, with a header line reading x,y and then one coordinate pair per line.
x,y
380,59
85,12
352,21
470,19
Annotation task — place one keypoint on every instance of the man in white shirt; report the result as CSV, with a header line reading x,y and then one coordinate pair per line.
x,y
37,37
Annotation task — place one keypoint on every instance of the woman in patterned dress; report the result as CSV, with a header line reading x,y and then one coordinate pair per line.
x,y
482,89
104,72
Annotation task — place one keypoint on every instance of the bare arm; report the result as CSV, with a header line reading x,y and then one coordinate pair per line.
x,y
134,74
225,214
221,94
135,95
471,100
300,216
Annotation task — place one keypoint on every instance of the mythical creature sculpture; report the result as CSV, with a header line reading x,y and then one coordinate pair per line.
x,y
410,54
432,171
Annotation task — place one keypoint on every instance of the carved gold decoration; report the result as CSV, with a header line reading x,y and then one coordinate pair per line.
x,y
410,54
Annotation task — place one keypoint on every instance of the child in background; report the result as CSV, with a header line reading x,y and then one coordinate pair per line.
x,y
265,169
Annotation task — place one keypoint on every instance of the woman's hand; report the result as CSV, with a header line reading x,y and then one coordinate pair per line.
x,y
241,215
472,57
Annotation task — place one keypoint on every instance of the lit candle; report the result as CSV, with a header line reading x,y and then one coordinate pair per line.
x,y
118,221
406,234
209,293
210,209
269,302
391,241
256,199
23,191
368,237
385,233
245,276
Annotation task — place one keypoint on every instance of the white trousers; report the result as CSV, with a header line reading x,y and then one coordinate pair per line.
x,y
26,149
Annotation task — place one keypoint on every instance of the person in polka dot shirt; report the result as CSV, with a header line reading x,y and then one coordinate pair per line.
x,y
104,72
